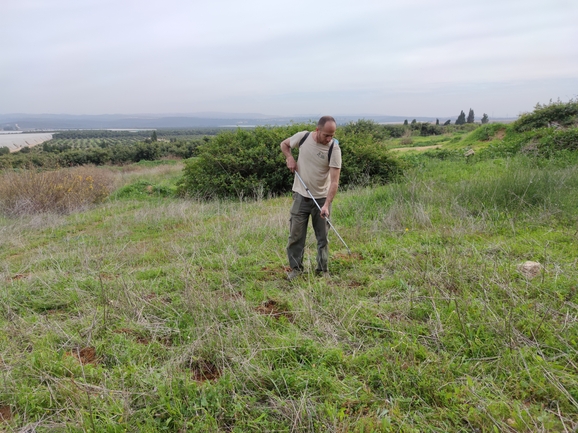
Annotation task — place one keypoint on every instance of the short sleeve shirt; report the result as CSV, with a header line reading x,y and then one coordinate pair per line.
x,y
313,166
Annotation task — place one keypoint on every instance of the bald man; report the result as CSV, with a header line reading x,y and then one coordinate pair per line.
x,y
319,165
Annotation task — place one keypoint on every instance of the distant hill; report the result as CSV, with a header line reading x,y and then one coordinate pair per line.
x,y
113,121
28,122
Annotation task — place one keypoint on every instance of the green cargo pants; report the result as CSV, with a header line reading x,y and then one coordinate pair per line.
x,y
300,210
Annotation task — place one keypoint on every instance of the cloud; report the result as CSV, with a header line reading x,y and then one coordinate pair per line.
x,y
258,56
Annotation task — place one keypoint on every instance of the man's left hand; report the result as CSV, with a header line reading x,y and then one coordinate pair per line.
x,y
325,212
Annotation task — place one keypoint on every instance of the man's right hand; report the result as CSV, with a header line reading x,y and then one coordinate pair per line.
x,y
291,164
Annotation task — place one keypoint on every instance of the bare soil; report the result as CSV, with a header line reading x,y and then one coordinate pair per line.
x,y
5,413
86,355
273,309
204,370
499,135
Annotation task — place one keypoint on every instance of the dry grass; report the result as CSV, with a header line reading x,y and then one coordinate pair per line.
x,y
131,173
61,191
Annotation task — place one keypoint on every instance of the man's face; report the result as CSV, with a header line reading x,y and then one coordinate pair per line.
x,y
325,134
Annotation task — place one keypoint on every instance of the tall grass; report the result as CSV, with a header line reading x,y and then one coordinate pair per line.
x,y
453,193
428,326
60,191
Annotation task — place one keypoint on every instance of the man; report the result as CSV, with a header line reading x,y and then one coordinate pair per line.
x,y
319,164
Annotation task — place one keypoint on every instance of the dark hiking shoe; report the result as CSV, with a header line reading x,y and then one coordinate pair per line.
x,y
293,274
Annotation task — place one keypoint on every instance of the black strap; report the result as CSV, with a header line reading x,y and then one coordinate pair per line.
x,y
330,147
304,138
329,152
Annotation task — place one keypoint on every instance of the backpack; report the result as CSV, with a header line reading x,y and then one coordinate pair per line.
x,y
330,147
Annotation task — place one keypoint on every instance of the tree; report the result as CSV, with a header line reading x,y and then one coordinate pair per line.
x,y
405,122
485,119
470,116
447,122
413,122
461,118
154,136
4,150
437,121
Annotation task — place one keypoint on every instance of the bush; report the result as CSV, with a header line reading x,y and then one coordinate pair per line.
x,y
241,163
62,191
250,163
556,140
365,161
362,126
561,113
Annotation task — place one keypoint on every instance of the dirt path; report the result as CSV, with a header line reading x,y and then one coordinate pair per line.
x,y
404,149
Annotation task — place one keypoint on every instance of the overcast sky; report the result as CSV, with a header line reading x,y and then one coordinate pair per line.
x,y
340,57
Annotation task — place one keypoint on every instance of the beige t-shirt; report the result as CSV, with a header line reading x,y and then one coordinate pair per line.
x,y
313,166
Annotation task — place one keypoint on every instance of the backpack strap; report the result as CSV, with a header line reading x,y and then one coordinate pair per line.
x,y
304,138
330,148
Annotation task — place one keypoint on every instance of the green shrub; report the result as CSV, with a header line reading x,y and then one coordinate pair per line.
x,y
555,140
144,189
240,163
251,164
562,113
366,162
362,126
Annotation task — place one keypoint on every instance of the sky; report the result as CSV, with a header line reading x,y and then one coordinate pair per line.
x,y
304,57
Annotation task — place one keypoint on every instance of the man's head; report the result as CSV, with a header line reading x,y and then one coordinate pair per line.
x,y
325,130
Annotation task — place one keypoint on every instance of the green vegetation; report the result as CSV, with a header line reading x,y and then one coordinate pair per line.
x,y
149,312
557,113
72,148
247,163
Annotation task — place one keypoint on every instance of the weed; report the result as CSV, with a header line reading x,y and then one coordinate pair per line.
x,y
61,191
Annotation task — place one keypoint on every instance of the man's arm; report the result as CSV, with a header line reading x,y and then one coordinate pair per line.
x,y
286,149
334,174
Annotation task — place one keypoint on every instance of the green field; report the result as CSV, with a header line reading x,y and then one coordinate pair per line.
x,y
149,312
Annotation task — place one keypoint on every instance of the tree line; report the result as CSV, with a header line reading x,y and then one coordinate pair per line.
x,y
461,120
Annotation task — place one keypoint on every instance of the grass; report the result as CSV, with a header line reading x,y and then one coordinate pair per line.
x,y
149,313
61,191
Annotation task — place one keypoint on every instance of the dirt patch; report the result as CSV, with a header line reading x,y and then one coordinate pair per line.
x,y
108,277
86,355
204,370
274,309
5,413
269,273
499,135
405,149
530,269
19,277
